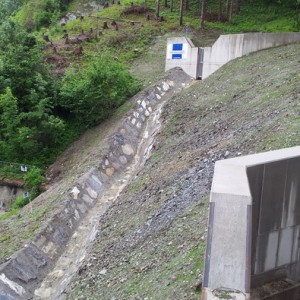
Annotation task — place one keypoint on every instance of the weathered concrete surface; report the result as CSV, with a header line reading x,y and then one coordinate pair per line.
x,y
231,46
226,48
254,222
22,274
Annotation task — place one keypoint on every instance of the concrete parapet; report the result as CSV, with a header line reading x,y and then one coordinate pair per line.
x,y
254,222
231,46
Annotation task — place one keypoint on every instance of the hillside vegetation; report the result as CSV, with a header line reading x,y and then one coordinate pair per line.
x,y
48,109
50,94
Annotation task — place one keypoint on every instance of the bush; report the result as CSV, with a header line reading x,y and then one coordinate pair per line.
x,y
92,93
33,179
20,202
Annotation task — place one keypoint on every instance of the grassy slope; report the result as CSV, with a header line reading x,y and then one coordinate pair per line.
x,y
249,105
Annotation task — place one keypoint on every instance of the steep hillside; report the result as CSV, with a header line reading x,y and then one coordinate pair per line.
x,y
150,243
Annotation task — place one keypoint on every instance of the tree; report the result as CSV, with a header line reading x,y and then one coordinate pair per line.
x,y
171,5
229,9
9,7
9,122
29,128
181,13
157,8
202,13
220,11
93,93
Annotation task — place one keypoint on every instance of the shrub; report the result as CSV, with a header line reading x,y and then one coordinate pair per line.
x,y
33,179
92,93
20,202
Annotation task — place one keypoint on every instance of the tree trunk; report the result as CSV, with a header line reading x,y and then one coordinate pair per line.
x,y
202,14
230,10
238,6
181,13
186,4
157,7
220,11
297,15
171,5
166,3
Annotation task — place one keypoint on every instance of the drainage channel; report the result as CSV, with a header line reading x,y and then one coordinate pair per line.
x,y
67,265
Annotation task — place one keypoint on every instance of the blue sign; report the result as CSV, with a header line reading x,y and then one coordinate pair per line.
x,y
177,47
176,56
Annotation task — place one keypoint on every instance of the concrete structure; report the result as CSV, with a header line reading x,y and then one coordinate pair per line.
x,y
202,62
182,53
231,46
254,223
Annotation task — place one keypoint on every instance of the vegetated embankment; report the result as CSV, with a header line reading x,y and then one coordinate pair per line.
x,y
150,243
122,153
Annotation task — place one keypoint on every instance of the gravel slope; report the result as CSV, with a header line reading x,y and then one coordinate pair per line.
x,y
151,242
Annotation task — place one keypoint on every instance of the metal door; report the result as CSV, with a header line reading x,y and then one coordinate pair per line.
x,y
200,62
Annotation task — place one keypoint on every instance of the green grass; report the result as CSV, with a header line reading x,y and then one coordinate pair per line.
x,y
8,214
255,16
24,223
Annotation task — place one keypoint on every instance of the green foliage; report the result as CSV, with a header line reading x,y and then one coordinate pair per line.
x,y
33,178
8,7
20,202
28,124
93,92
259,16
7,215
36,14
36,124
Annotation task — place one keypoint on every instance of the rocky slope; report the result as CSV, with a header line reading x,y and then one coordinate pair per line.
x,y
150,243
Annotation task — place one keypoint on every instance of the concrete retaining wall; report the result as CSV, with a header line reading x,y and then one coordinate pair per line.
x,y
25,270
225,49
254,222
231,46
